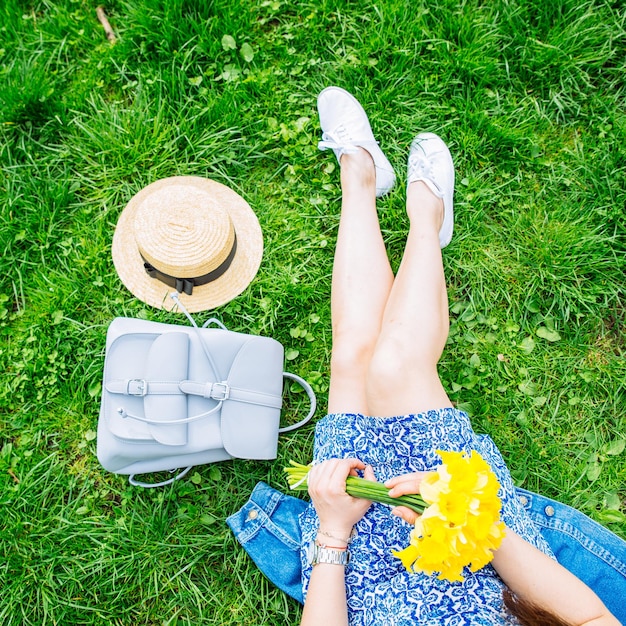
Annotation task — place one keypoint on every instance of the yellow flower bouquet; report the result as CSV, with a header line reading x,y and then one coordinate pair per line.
x,y
459,524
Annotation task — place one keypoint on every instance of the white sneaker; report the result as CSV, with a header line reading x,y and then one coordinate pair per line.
x,y
430,161
345,128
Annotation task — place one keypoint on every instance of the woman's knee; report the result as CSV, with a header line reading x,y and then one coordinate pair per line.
x,y
350,358
396,365
396,384
385,373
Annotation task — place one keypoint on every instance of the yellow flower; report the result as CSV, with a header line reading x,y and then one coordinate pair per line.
x,y
408,556
461,526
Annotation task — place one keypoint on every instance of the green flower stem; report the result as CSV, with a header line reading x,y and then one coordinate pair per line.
x,y
370,490
356,487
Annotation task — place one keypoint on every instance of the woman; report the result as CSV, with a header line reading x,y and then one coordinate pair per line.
x,y
388,336
388,414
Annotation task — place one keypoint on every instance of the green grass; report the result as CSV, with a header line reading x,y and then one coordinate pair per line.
x,y
530,96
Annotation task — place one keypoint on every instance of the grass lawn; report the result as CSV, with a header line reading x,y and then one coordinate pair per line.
x,y
529,95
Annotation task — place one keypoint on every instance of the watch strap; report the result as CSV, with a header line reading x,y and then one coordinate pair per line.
x,y
332,556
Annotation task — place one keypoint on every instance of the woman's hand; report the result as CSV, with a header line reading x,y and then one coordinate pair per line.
x,y
403,485
337,511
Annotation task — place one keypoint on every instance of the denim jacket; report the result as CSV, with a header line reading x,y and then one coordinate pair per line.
x,y
268,529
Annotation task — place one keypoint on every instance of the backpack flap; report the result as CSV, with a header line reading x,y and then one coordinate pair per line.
x,y
168,360
141,387
251,415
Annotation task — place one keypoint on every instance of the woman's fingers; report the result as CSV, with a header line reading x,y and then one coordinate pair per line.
x,y
331,474
405,484
408,515
336,509
368,474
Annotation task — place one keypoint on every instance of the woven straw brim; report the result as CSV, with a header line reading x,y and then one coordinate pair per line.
x,y
130,266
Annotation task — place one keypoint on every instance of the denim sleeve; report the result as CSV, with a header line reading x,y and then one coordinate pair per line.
x,y
587,549
268,529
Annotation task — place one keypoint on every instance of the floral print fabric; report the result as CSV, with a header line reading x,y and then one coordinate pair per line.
x,y
379,589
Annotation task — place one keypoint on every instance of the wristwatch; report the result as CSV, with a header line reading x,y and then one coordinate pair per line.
x,y
321,554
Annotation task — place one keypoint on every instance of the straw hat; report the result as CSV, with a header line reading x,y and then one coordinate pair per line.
x,y
188,234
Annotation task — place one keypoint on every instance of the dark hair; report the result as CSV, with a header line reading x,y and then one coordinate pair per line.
x,y
529,614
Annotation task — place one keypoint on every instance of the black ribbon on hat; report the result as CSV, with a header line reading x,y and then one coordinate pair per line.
x,y
186,285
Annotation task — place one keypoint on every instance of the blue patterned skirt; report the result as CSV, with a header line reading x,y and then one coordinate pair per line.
x,y
379,589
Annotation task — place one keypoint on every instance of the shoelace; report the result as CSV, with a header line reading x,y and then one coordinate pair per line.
x,y
421,168
341,139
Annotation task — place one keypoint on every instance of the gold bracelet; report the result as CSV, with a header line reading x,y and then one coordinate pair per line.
x,y
331,536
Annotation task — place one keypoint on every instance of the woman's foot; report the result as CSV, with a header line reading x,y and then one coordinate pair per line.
x,y
430,165
345,128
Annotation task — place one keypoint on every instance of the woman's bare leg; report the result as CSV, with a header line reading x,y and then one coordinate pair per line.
x,y
403,375
362,280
